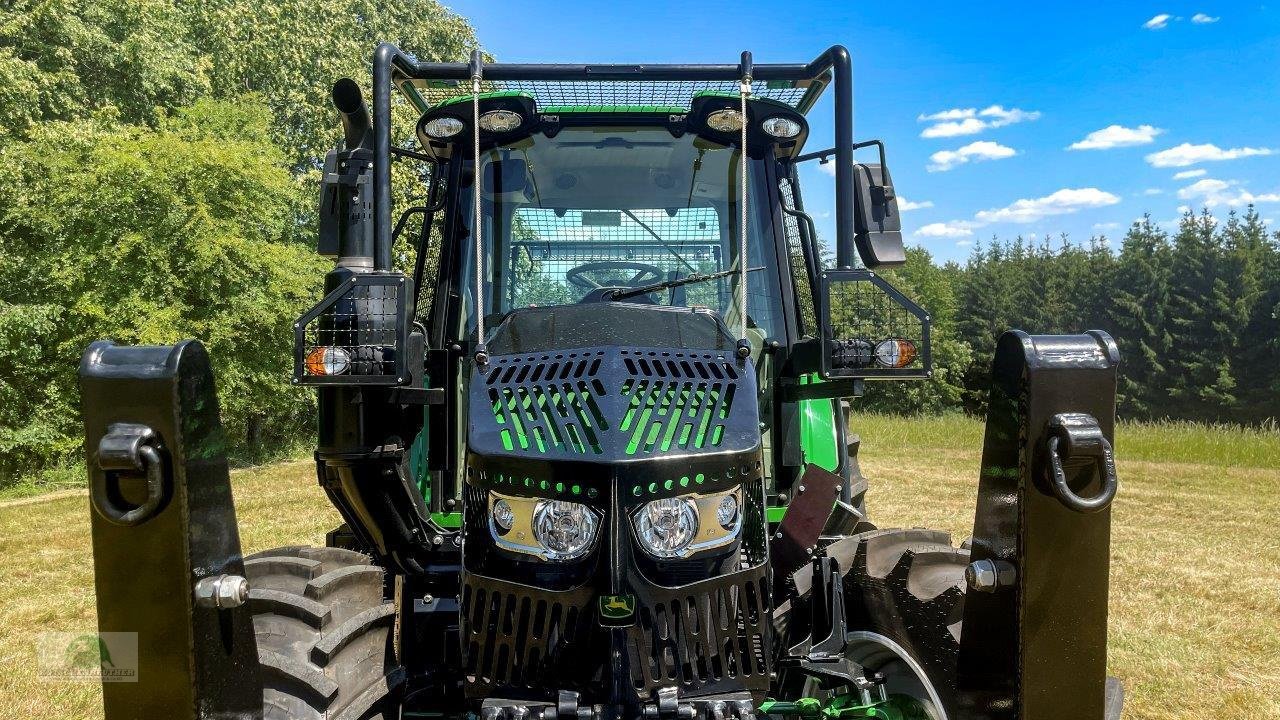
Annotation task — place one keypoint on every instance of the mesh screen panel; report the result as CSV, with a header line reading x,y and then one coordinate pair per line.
x,y
625,254
358,328
673,94
863,311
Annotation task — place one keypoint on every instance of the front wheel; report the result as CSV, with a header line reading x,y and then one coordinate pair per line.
x,y
904,600
325,635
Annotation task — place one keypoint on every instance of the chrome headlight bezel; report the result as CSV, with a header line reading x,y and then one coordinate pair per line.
x,y
522,537
708,533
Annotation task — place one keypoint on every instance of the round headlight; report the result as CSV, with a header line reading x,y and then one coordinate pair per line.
x,y
503,516
895,353
781,127
725,120
327,361
666,527
566,529
500,121
443,127
727,511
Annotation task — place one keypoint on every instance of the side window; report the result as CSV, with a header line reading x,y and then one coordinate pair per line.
x,y
795,255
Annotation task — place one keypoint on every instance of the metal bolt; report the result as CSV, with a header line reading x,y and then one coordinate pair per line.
x,y
437,540
800,489
222,592
987,575
777,536
428,599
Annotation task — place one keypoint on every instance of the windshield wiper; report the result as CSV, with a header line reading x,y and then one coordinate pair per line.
x,y
686,280
658,237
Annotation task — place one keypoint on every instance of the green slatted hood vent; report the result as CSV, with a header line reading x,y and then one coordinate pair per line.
x,y
614,404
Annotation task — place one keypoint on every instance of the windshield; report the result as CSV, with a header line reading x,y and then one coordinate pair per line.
x,y
573,217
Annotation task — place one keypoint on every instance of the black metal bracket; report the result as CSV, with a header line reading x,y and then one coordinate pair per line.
x,y
1035,619
355,316
164,525
822,654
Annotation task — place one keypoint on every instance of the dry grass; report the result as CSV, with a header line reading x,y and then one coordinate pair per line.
x,y
1195,593
46,579
1195,556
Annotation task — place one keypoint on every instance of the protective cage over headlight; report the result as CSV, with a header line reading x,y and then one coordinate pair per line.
x,y
680,526
356,335
870,329
555,530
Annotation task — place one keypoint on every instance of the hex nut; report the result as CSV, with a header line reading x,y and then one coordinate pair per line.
x,y
222,592
987,575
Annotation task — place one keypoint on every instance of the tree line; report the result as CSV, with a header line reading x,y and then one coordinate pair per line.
x,y
161,166
1195,311
161,173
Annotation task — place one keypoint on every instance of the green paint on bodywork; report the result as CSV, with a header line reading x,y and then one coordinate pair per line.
x,y
418,454
447,520
607,109
484,96
818,436
846,706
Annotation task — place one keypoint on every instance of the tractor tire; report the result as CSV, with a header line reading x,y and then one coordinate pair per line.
x,y
325,635
904,600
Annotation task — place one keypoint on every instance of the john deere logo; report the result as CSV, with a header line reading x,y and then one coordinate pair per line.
x,y
617,610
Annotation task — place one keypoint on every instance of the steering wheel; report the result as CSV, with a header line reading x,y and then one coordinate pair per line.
x,y
644,274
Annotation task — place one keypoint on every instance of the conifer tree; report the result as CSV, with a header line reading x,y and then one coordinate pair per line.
x,y
1136,313
1203,319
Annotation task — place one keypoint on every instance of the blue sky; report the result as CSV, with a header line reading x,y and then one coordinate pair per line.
x,y
1000,118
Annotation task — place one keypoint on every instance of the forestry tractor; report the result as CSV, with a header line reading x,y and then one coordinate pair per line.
x,y
590,445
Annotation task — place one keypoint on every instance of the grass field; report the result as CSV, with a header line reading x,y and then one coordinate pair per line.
x,y
1195,574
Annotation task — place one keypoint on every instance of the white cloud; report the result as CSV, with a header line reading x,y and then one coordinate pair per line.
x,y
1114,136
952,114
964,243
1202,19
1106,226
1211,192
1188,174
1159,22
944,160
1062,202
951,229
1152,191
904,204
971,121
953,128
1188,154
1001,117
828,167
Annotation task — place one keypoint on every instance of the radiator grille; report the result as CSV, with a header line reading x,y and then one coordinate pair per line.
x,y
702,635
514,636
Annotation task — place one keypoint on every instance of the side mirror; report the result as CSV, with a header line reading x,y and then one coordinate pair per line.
x,y
877,224
870,330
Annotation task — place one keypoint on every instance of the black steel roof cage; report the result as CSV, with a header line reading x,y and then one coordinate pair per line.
x,y
795,84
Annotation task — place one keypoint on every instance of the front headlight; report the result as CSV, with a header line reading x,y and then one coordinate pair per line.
x,y
566,529
681,526
547,529
668,526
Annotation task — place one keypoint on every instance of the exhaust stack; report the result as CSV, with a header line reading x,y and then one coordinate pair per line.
x,y
356,126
